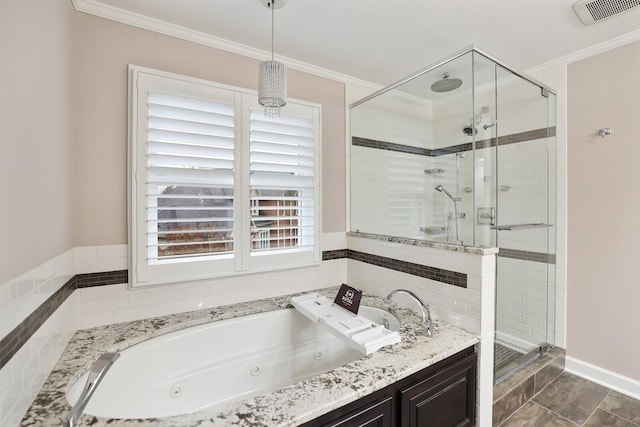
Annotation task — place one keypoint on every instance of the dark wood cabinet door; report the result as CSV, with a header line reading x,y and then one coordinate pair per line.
x,y
377,414
445,399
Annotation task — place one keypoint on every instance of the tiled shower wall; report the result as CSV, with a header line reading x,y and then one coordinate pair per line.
x,y
517,175
526,294
390,196
525,310
388,186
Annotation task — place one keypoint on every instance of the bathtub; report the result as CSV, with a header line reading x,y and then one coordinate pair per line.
x,y
208,366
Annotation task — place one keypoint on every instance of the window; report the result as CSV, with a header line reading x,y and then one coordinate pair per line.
x,y
216,187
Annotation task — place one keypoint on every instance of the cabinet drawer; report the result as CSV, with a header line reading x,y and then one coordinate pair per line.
x,y
377,414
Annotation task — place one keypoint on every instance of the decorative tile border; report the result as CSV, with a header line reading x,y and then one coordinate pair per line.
x,y
528,255
530,135
445,276
14,340
89,280
10,344
389,146
335,254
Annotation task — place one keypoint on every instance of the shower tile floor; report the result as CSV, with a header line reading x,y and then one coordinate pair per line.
x,y
505,359
570,401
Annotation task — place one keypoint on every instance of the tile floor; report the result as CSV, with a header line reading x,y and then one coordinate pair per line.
x,y
573,401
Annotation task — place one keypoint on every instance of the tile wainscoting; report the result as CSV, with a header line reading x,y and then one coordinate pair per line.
x,y
94,292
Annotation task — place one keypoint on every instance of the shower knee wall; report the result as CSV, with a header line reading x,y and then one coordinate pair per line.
x,y
471,308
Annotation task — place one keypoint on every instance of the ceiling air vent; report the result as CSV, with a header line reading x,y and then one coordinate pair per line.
x,y
591,11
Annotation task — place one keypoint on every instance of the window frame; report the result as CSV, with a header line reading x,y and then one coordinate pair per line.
x,y
242,261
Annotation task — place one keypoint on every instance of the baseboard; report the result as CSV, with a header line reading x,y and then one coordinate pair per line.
x,y
617,382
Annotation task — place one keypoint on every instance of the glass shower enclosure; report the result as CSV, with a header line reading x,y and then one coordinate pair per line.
x,y
463,153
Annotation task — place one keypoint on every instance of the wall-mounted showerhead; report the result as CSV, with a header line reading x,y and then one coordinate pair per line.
x,y
446,84
469,130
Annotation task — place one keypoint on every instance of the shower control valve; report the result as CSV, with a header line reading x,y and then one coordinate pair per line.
x,y
487,216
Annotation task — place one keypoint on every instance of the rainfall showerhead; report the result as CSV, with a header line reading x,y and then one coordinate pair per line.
x,y
446,84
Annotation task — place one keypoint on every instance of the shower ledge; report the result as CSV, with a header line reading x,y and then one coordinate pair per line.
x,y
426,244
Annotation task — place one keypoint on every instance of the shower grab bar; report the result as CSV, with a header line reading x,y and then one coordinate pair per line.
x,y
96,374
521,226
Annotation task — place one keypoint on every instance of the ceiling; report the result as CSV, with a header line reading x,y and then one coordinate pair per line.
x,y
384,41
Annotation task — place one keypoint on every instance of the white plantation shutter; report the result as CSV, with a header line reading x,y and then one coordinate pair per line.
x,y
282,181
217,188
190,155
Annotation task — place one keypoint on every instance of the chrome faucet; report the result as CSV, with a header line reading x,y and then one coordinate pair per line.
x,y
97,372
427,322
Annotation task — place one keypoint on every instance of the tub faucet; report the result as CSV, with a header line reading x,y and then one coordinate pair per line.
x,y
427,322
98,371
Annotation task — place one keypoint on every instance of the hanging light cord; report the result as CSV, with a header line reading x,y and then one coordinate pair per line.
x,y
271,5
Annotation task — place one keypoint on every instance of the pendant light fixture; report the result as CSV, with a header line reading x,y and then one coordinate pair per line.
x,y
272,87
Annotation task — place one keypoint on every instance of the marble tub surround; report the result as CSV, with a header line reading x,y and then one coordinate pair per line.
x,y
288,406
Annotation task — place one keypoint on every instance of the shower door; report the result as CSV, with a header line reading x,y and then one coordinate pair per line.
x,y
525,222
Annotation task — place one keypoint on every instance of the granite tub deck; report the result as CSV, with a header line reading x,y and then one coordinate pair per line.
x,y
288,406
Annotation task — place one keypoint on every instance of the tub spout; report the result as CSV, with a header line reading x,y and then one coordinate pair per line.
x,y
98,371
427,322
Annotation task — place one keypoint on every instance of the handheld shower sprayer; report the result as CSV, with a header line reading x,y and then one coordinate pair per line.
x,y
441,189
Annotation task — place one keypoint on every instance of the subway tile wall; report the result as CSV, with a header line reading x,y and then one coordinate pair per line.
x,y
104,305
522,166
526,309
471,308
25,372
117,303
387,199
24,294
384,201
457,305
22,376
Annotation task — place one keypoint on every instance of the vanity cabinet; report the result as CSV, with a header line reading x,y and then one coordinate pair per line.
x,y
443,399
442,395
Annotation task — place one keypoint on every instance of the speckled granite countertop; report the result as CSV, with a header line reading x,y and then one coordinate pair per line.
x,y
288,406
475,250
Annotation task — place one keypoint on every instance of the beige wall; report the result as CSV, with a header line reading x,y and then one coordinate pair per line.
x,y
104,50
603,290
36,132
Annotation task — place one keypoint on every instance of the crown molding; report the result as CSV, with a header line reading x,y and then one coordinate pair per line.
x,y
96,8
596,49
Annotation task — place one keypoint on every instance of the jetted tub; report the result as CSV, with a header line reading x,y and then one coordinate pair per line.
x,y
214,364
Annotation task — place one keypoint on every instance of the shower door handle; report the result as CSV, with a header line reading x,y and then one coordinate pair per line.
x,y
515,227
